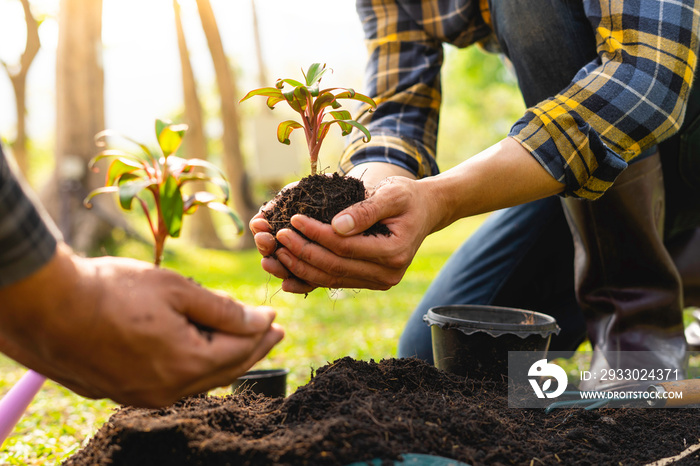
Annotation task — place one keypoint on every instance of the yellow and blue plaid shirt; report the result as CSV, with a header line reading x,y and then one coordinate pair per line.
x,y
27,238
631,97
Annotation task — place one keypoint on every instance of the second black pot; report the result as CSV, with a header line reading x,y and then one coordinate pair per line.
x,y
472,340
268,382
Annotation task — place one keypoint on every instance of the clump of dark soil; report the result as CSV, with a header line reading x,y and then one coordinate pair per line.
x,y
355,410
320,197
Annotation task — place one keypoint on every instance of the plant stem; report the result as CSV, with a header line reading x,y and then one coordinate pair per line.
x,y
311,130
159,246
160,232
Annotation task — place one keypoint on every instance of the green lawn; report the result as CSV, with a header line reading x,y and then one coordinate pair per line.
x,y
320,328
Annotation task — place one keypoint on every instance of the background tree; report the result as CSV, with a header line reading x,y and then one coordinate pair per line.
x,y
18,77
200,229
242,196
79,117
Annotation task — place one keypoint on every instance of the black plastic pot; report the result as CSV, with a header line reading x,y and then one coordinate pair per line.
x,y
268,382
474,341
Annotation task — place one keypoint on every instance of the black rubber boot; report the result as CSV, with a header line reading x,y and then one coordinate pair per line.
x,y
626,281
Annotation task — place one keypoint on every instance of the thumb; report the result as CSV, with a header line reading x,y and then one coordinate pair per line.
x,y
359,217
218,311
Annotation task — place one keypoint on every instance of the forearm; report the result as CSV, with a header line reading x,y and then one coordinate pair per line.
x,y
501,176
41,303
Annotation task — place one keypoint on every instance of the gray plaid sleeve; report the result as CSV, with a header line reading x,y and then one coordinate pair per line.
x,y
27,237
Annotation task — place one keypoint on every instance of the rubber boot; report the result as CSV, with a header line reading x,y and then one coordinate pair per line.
x,y
685,250
626,282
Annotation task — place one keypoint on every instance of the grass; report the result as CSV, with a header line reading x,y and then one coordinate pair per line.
x,y
320,328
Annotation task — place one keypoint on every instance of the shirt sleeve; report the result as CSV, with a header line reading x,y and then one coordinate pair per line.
x,y
404,42
28,239
633,96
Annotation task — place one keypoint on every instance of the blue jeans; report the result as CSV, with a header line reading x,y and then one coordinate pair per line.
x,y
522,256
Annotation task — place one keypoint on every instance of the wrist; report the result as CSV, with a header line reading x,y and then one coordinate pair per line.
x,y
373,173
36,307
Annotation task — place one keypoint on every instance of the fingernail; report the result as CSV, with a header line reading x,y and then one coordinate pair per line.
x,y
283,235
258,317
298,223
343,224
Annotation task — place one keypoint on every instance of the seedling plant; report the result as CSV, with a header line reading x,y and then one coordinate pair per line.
x,y
160,179
313,106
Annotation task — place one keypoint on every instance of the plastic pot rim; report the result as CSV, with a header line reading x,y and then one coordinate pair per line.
x,y
264,374
546,326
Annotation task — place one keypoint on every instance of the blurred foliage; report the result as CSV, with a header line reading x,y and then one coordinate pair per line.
x,y
480,103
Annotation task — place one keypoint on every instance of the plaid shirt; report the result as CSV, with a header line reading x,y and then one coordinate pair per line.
x,y
27,242
631,97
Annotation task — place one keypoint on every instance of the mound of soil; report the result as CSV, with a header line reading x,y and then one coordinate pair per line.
x,y
320,197
355,411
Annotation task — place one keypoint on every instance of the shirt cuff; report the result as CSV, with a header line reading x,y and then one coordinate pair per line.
x,y
28,238
390,149
571,152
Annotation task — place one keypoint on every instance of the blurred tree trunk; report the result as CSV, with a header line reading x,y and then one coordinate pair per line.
x,y
262,69
200,229
79,116
18,77
234,164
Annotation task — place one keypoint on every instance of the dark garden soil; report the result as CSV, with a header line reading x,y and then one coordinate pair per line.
x,y
320,197
357,410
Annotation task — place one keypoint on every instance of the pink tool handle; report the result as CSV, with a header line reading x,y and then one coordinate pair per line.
x,y
15,402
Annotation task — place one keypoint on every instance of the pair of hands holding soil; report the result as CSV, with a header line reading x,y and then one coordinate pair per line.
x,y
339,255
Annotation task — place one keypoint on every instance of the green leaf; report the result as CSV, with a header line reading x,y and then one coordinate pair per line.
x,y
129,188
169,136
351,94
114,153
220,207
105,189
171,205
264,91
285,129
274,100
109,132
346,129
119,167
219,180
195,200
292,82
323,101
177,165
341,115
297,99
313,75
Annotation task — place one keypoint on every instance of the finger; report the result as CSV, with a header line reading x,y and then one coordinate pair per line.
x,y
274,267
318,266
220,312
235,356
361,216
290,283
258,224
294,285
265,243
378,249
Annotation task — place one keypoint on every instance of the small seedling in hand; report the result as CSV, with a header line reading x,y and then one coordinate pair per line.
x,y
313,105
161,177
